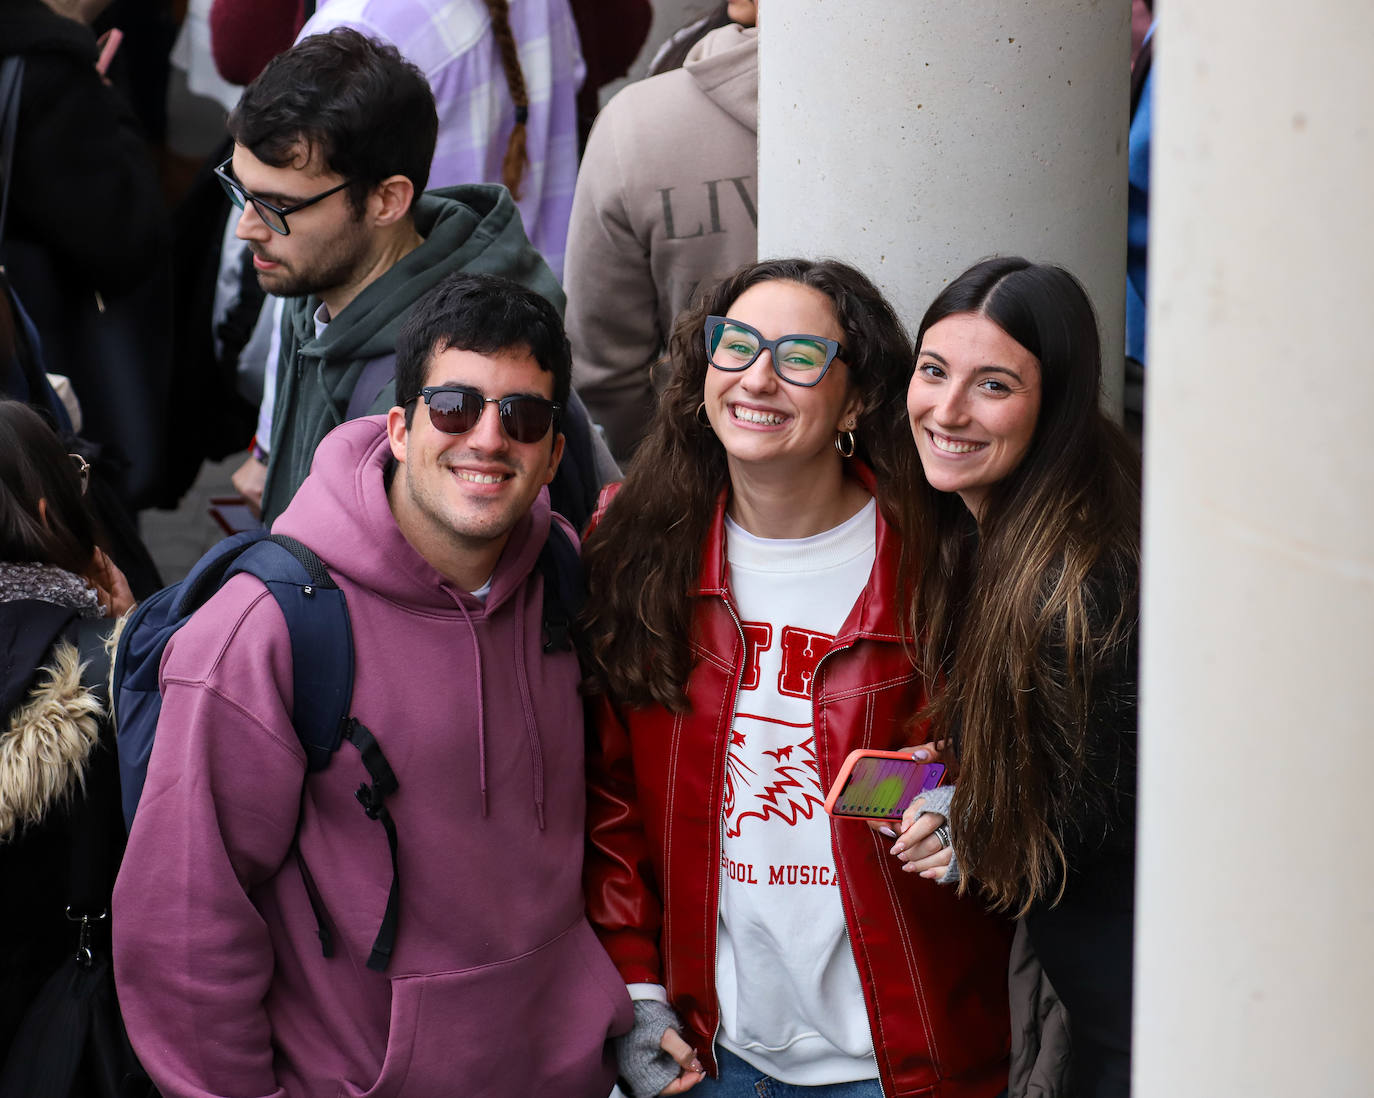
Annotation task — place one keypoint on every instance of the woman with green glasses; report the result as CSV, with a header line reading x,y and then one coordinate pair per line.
x,y
744,635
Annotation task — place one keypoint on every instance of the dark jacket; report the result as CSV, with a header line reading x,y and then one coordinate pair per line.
x,y
85,187
86,245
56,754
933,966
1085,940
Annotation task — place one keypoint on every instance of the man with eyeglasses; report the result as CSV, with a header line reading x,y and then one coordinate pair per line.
x,y
434,521
333,143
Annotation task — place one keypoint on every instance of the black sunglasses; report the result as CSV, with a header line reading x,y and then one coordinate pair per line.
x,y
456,410
274,217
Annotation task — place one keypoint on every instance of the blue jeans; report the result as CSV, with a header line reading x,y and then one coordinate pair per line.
x,y
739,1080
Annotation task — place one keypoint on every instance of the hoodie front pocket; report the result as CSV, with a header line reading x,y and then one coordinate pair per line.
x,y
533,1024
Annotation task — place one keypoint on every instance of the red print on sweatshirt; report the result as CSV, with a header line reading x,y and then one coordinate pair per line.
x,y
771,769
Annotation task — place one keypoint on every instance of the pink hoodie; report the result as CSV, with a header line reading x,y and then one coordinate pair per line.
x,y
497,985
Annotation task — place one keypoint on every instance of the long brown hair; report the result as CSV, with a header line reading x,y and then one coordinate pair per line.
x,y
1023,612
517,157
644,556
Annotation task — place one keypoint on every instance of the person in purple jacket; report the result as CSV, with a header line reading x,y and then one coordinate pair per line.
x,y
431,519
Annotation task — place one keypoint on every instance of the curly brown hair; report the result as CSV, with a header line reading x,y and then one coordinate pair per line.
x,y
644,556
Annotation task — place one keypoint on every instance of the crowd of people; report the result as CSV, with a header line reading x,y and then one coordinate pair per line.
x,y
607,642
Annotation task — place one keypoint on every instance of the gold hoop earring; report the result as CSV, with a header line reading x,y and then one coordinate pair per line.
x,y
702,417
842,439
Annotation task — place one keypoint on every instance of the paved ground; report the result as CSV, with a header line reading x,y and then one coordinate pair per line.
x,y
177,538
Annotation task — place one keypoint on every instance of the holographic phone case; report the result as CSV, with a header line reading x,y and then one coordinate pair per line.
x,y
878,785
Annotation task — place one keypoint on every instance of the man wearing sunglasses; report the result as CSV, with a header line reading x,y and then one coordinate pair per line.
x,y
434,521
333,143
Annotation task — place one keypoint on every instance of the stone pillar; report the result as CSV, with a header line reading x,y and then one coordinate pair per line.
x,y
912,139
1255,935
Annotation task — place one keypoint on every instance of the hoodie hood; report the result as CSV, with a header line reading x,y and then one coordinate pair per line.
x,y
49,721
474,228
725,67
38,602
348,477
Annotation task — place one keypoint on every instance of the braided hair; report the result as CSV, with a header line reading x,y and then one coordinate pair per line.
x,y
516,159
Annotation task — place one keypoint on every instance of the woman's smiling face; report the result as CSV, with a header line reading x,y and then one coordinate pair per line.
x,y
973,403
759,417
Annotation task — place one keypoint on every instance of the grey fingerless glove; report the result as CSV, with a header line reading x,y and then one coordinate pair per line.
x,y
644,1067
938,800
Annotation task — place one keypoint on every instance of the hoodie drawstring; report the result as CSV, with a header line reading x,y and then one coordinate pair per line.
x,y
481,715
527,703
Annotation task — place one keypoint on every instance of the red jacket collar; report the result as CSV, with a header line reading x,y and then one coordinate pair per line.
x,y
877,614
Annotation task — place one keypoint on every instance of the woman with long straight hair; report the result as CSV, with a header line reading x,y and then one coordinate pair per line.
x,y
744,635
1026,534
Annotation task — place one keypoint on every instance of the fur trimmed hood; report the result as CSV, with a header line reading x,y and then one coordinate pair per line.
x,y
45,749
49,721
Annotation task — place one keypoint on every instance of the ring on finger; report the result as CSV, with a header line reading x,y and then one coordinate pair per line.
x,y
942,833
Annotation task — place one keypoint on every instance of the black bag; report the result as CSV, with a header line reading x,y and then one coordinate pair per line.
x,y
72,1042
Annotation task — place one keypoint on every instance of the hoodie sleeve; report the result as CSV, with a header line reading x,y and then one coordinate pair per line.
x,y
622,903
193,957
613,306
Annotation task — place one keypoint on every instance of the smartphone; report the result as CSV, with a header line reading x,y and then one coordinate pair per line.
x,y
232,514
878,785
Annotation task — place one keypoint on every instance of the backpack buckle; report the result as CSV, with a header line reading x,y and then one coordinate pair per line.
x,y
372,800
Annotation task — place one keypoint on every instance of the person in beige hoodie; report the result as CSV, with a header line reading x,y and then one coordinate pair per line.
x,y
665,200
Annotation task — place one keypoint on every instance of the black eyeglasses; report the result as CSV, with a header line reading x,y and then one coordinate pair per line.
x,y
274,217
456,410
732,346
83,470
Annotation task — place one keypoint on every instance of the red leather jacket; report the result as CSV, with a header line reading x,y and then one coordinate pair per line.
x,y
933,966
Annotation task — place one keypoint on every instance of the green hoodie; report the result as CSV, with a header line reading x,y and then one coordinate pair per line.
x,y
474,228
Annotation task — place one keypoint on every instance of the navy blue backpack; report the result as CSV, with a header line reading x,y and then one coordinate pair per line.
x,y
322,658
321,648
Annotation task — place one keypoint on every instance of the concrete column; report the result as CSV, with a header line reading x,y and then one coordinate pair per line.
x,y
913,138
1255,936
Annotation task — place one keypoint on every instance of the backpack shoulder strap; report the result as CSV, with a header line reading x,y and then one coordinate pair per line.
x,y
564,587
374,378
322,663
575,485
321,639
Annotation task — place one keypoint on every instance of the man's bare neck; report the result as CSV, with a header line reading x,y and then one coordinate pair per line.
x,y
391,252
